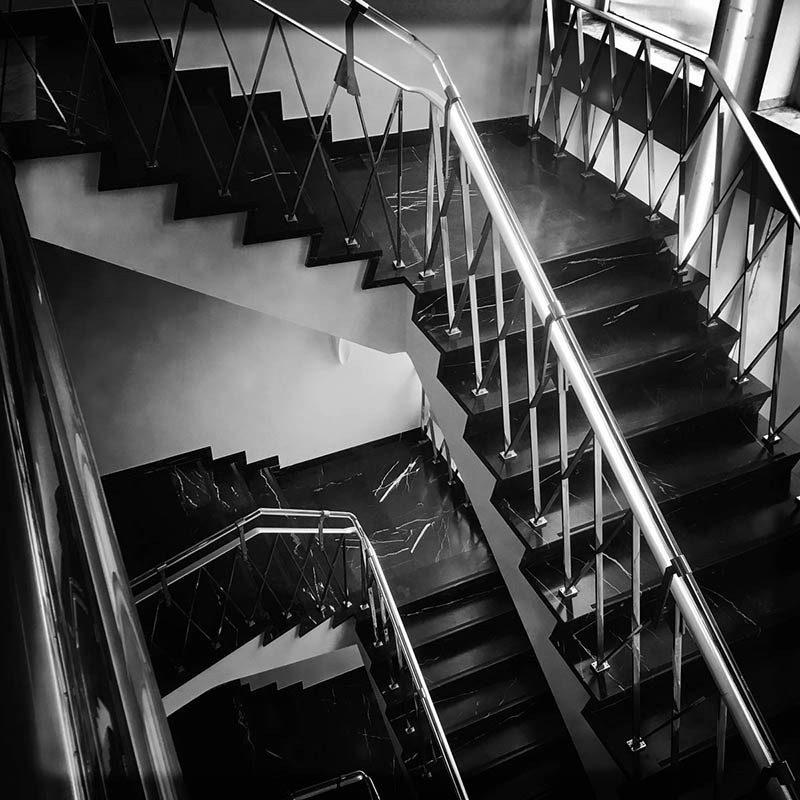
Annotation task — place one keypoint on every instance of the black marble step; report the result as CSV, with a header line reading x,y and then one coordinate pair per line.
x,y
748,595
663,328
642,400
457,660
718,527
551,773
201,192
561,211
439,620
267,222
327,199
57,131
601,283
503,691
141,74
678,462
765,660
515,739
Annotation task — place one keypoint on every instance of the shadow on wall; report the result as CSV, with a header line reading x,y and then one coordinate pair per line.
x,y
160,370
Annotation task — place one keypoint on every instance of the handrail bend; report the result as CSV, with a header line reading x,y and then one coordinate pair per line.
x,y
665,550
340,782
244,527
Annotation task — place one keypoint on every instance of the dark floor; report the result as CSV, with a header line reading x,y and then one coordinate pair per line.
x,y
400,493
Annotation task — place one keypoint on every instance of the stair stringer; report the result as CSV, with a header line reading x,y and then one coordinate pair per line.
x,y
508,551
134,228
287,659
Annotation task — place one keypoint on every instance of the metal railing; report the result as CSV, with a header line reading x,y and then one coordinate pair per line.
x,y
334,784
459,169
349,578
84,670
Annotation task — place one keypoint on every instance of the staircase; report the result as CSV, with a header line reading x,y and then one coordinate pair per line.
x,y
717,489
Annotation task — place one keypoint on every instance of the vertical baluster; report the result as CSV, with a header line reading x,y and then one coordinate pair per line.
x,y
714,249
398,263
563,452
345,582
681,269
721,737
771,436
365,596
469,247
749,271
584,99
440,167
429,197
600,663
501,344
677,692
651,156
636,743
535,96
378,641
555,77
533,415
612,57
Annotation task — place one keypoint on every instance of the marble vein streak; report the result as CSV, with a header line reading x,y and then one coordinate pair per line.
x,y
387,488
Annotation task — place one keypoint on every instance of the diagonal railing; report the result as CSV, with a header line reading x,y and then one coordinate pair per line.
x,y
330,567
461,185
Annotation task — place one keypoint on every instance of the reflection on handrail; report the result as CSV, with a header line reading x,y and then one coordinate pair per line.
x,y
106,705
334,784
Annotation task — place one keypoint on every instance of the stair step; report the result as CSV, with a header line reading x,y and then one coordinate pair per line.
x,y
200,190
552,772
514,738
504,690
681,461
438,621
642,400
747,596
711,531
466,657
141,74
654,330
605,283
763,660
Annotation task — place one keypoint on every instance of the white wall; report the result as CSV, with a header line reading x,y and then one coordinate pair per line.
x,y
134,228
161,370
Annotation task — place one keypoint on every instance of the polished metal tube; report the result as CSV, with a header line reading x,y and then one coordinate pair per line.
x,y
501,343
599,577
533,421
563,465
636,742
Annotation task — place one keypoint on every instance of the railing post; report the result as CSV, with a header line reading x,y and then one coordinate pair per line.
x,y
677,692
636,743
600,664
771,436
533,416
563,450
720,746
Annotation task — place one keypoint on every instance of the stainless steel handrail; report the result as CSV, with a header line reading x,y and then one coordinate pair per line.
x,y
716,76
47,421
348,779
663,546
370,558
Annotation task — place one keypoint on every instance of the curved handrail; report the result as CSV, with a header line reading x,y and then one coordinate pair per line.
x,y
664,548
369,558
340,782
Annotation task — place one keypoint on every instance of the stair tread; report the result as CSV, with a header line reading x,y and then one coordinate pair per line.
x,y
746,595
676,463
708,533
512,739
642,400
436,622
590,284
647,333
502,690
488,645
141,73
